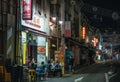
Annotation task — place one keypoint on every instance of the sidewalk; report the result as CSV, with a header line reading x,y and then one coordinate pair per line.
x,y
67,74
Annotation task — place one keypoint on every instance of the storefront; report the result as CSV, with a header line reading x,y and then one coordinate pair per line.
x,y
33,46
34,42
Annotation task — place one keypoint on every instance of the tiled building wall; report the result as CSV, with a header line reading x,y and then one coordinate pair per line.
x,y
7,22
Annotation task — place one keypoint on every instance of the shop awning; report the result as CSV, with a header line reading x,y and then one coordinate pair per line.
x,y
80,44
37,32
75,42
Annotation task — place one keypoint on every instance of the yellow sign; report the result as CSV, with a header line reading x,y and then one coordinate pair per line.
x,y
24,53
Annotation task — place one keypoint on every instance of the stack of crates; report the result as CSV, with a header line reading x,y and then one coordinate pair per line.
x,y
1,73
4,75
7,77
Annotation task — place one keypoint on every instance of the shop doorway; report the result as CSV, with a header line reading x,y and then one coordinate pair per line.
x,y
32,50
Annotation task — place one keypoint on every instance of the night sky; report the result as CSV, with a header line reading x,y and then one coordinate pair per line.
x,y
107,24
109,4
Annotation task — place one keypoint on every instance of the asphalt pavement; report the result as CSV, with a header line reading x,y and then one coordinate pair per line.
x,y
91,73
114,77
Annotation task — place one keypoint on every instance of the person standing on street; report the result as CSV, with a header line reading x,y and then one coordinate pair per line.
x,y
71,62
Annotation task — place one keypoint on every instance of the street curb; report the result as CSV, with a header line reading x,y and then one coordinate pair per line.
x,y
67,75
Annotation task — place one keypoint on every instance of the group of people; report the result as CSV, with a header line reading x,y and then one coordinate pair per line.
x,y
55,68
52,66
41,70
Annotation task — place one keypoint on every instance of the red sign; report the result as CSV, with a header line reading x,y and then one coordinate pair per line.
x,y
67,29
67,33
27,9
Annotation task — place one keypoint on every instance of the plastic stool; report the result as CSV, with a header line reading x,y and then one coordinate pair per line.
x,y
32,75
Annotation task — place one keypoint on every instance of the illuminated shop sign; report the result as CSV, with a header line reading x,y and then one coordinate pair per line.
x,y
34,22
83,32
37,21
26,9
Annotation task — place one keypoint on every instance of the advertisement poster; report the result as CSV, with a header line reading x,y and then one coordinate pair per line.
x,y
40,58
41,49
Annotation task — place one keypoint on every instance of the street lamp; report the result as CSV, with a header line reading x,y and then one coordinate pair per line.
x,y
57,22
54,19
60,22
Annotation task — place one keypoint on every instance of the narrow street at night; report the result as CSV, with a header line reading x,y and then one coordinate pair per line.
x,y
59,41
92,73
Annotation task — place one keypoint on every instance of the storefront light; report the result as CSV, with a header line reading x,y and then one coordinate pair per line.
x,y
60,22
100,47
54,19
66,47
26,31
47,49
92,40
53,45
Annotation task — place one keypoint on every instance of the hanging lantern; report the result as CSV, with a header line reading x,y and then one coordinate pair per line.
x,y
83,32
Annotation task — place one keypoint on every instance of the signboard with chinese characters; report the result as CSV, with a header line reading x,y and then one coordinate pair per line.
x,y
41,49
26,9
37,22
